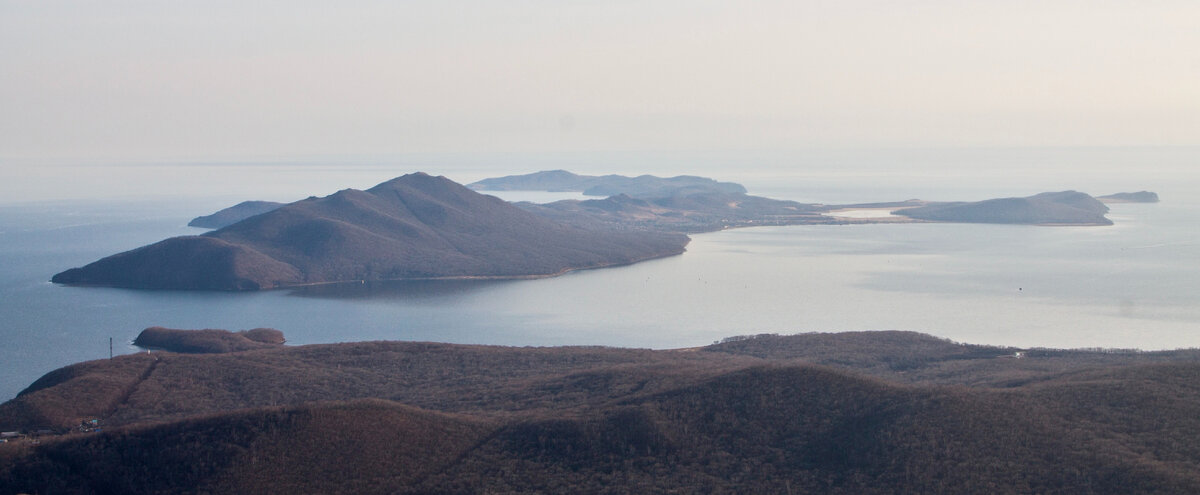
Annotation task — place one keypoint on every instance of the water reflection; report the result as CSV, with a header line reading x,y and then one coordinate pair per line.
x,y
397,289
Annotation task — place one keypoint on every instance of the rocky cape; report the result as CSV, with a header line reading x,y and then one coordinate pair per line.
x,y
412,227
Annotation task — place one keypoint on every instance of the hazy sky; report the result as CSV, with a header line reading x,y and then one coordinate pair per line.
x,y
181,80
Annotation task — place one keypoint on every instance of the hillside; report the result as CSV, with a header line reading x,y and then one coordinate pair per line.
x,y
1052,208
689,212
607,185
234,214
415,226
865,412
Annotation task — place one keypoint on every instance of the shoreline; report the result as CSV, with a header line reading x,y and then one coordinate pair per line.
x,y
405,279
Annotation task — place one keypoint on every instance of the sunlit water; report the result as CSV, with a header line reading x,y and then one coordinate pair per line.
x,y
1135,284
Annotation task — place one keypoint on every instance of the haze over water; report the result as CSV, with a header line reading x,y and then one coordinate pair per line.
x,y
1135,284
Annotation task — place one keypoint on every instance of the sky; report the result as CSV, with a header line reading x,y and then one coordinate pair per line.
x,y
144,81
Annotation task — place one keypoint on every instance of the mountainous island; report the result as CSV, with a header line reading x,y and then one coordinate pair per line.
x,y
412,227
861,412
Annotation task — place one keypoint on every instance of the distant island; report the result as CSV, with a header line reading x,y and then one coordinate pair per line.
x,y
234,214
607,185
859,412
693,208
1130,197
1054,208
412,227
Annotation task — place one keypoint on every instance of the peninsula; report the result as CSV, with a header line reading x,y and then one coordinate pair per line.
x,y
412,227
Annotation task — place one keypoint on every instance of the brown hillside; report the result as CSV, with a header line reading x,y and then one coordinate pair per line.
x,y
811,430
751,415
369,446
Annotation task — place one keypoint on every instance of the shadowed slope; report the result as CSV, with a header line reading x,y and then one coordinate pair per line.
x,y
755,429
191,262
369,446
814,430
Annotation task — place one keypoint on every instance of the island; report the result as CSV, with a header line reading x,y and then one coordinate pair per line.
x,y
1130,197
1052,208
694,209
208,340
413,227
858,412
234,214
420,227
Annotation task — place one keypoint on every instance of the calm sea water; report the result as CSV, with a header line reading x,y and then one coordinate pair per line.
x,y
1132,285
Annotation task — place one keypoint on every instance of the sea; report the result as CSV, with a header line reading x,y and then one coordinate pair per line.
x,y
1133,285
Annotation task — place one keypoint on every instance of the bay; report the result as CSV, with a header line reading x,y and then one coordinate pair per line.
x,y
1133,285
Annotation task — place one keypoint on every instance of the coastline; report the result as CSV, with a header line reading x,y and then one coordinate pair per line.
x,y
536,276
